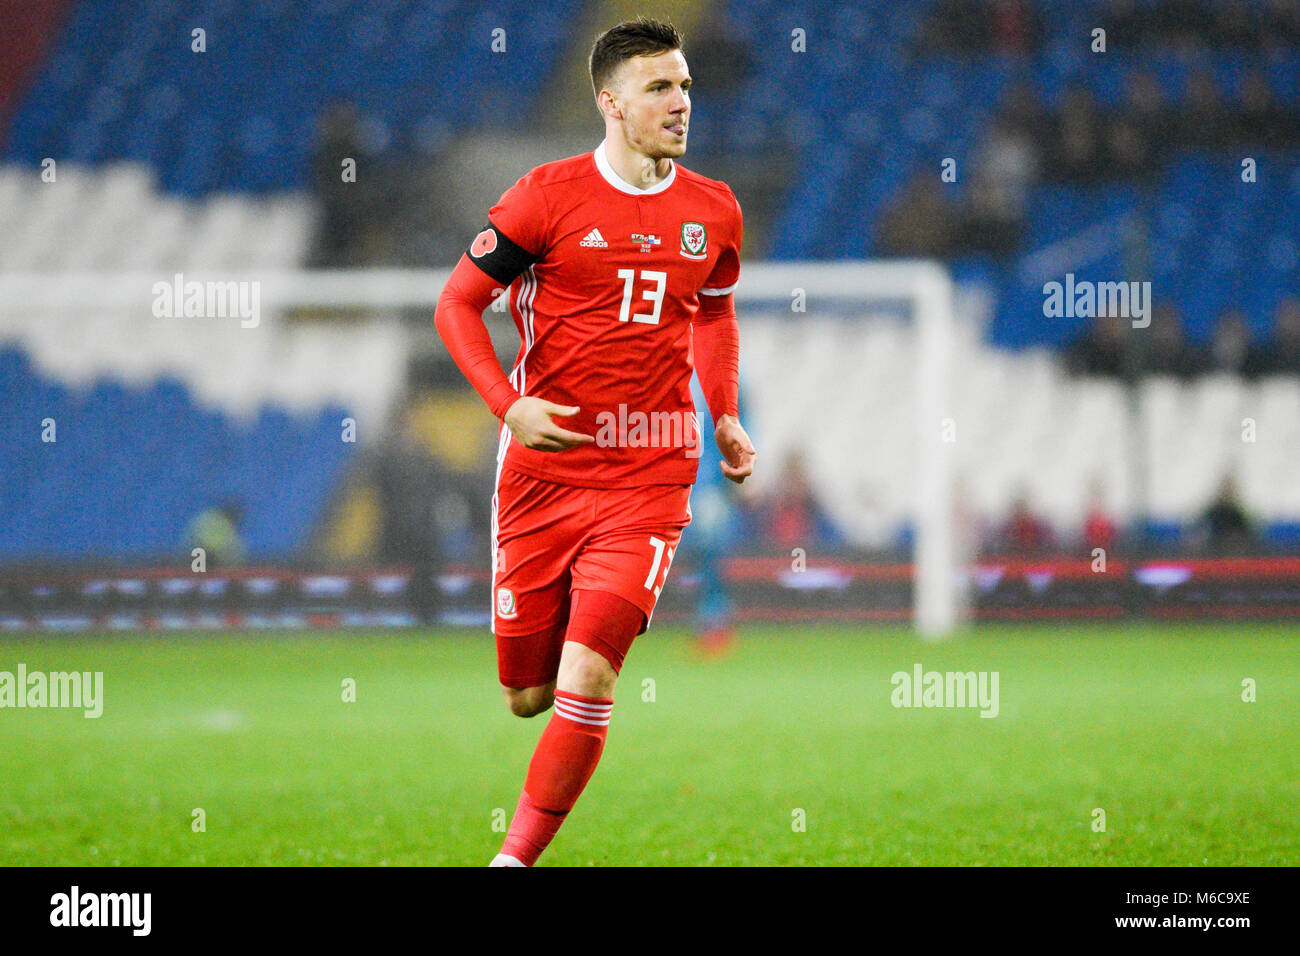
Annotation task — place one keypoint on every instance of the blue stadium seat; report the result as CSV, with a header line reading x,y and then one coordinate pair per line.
x,y
132,466
121,85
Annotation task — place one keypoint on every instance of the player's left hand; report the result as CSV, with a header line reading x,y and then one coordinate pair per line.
x,y
737,450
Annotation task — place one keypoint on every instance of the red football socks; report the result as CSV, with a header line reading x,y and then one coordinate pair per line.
x,y
564,761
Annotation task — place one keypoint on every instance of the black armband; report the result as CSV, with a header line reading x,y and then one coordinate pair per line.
x,y
499,256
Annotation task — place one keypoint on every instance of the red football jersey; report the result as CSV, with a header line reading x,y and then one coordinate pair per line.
x,y
604,280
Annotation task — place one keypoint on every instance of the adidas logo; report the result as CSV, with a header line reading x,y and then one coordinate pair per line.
x,y
594,240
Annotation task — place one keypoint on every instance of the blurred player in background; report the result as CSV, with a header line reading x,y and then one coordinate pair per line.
x,y
619,266
715,527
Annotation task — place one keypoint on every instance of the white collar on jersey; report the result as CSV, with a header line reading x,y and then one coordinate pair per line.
x,y
617,181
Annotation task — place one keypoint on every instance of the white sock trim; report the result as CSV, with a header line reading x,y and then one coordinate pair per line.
x,y
581,717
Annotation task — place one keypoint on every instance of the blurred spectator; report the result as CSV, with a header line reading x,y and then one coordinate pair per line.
x,y
1162,349
216,531
921,222
1099,528
1136,134
1129,149
1126,27
1077,141
714,534
956,26
1260,119
1013,27
1234,26
1231,348
1008,27
1025,113
793,518
1193,24
1282,356
1084,145
408,479
1186,23
1025,532
1003,169
343,203
1224,525
1167,350
1280,26
728,63
989,224
1145,101
1099,351
1203,120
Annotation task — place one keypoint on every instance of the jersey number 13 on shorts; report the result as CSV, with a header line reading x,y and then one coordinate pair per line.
x,y
660,547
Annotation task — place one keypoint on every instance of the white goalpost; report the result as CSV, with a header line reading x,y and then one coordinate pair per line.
x,y
925,290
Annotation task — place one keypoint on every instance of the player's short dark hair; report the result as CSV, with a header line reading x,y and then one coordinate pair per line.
x,y
640,37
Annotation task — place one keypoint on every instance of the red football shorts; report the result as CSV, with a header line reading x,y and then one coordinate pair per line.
x,y
550,540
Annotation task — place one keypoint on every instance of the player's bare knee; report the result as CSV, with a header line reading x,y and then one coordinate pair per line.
x,y
588,674
523,707
530,701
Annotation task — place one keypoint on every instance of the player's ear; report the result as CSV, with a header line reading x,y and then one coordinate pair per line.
x,y
609,105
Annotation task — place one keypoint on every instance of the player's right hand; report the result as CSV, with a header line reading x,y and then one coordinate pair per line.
x,y
529,420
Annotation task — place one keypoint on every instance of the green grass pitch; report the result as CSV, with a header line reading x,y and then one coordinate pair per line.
x,y
1144,722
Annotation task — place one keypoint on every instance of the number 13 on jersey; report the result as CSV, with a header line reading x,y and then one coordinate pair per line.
x,y
655,295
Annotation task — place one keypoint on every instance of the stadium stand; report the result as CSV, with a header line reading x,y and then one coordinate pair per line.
x,y
204,172
137,500
1033,426
863,135
220,396
201,170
